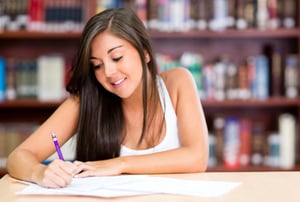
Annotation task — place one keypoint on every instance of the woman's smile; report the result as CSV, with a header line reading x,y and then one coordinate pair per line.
x,y
119,82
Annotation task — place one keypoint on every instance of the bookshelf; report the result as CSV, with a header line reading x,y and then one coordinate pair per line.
x,y
211,44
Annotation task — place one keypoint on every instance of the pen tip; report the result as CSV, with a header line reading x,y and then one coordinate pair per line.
x,y
52,134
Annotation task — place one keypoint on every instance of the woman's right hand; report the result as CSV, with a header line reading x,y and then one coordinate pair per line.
x,y
57,174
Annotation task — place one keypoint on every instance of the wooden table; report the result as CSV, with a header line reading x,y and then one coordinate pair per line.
x,y
256,186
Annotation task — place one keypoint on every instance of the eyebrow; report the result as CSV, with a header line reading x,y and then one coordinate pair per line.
x,y
109,51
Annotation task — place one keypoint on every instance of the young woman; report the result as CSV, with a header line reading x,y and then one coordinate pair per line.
x,y
128,117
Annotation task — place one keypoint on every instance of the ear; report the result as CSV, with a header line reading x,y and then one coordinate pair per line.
x,y
148,59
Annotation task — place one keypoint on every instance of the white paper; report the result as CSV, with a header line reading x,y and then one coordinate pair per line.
x,y
129,185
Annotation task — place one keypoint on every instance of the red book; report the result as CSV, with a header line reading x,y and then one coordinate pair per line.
x,y
245,141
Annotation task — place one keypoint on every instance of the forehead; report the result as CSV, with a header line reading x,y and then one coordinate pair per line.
x,y
104,41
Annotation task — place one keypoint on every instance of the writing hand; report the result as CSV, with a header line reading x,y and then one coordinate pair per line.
x,y
57,174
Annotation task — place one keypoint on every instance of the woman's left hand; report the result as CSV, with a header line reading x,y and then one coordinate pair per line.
x,y
98,168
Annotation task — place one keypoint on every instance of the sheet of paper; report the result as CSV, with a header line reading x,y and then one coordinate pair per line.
x,y
129,185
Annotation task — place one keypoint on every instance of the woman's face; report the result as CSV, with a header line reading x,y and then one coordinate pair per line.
x,y
117,64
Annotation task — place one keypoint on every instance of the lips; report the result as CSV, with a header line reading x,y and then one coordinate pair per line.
x,y
118,82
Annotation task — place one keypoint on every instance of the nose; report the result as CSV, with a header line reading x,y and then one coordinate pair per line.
x,y
109,69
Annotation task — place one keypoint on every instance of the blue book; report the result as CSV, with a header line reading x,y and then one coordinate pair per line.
x,y
261,90
2,79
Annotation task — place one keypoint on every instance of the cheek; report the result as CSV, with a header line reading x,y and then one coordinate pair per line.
x,y
99,76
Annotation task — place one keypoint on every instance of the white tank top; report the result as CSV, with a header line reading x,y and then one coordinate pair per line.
x,y
171,139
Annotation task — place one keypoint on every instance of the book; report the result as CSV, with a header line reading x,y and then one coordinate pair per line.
x,y
261,83
273,158
51,78
245,141
289,13
262,14
193,62
26,81
274,21
218,131
231,78
212,158
243,82
220,80
220,13
2,79
291,76
258,143
36,15
287,139
231,155
141,10
11,70
277,72
200,13
241,21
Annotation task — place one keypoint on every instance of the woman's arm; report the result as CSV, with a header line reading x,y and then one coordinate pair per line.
x,y
192,156
25,161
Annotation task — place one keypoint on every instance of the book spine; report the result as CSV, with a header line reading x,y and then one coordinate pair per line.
x,y
273,159
2,79
193,62
141,10
218,131
273,14
212,158
231,143
220,80
287,135
241,21
277,62
220,13
245,141
261,77
243,82
11,92
51,77
262,14
289,13
291,76
208,81
201,13
257,144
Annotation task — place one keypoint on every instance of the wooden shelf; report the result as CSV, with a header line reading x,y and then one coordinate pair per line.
x,y
271,102
28,104
2,172
250,169
231,33
39,35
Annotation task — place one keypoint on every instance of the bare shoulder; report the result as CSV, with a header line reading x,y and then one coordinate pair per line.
x,y
177,77
178,81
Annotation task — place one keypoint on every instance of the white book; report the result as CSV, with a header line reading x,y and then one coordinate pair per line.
x,y
287,137
51,78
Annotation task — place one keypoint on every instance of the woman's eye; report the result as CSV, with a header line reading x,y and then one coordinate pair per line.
x,y
96,66
117,59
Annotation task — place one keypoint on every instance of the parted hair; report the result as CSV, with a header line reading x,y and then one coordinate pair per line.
x,y
101,121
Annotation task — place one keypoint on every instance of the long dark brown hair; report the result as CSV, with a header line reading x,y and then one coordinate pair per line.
x,y
101,122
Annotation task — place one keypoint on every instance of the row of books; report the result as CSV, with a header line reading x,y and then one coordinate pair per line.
x,y
43,78
240,141
43,15
258,77
216,15
13,134
163,15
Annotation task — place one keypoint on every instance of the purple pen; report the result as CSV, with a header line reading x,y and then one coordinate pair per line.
x,y
57,147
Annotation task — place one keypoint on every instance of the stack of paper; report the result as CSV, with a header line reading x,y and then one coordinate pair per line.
x,y
129,185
